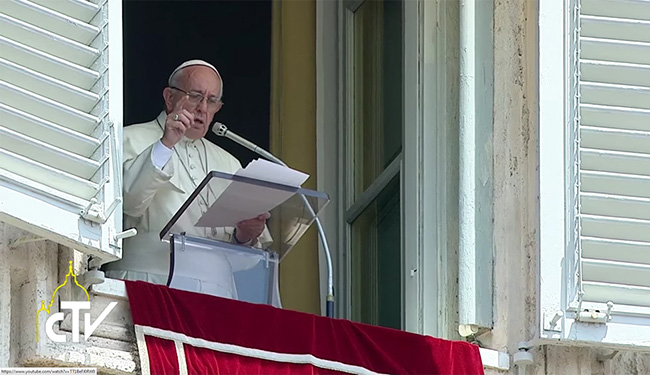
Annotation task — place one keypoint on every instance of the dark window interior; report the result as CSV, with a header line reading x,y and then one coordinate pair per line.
x,y
235,36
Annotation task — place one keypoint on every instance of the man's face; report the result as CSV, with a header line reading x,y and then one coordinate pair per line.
x,y
197,80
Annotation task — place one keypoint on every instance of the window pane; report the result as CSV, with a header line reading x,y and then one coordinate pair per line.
x,y
376,261
377,90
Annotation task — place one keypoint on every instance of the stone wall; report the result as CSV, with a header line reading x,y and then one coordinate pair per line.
x,y
30,270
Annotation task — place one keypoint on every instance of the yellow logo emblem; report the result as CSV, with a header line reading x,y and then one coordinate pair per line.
x,y
47,309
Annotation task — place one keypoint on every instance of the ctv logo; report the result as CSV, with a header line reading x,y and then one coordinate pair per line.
x,y
75,307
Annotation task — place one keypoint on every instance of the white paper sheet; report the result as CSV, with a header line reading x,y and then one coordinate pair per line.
x,y
264,170
241,201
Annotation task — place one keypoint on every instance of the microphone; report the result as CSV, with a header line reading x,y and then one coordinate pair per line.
x,y
222,131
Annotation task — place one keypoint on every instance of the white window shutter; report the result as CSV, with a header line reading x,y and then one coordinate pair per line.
x,y
601,292
614,143
61,121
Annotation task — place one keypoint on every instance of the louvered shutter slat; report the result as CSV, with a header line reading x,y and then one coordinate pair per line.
x,y
615,95
638,10
615,50
615,184
48,87
615,228
614,117
47,64
47,109
47,154
614,28
82,10
55,178
614,161
615,250
616,272
47,131
50,20
615,205
614,139
625,294
610,72
46,41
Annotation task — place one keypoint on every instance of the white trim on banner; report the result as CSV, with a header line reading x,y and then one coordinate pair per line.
x,y
145,368
246,352
180,354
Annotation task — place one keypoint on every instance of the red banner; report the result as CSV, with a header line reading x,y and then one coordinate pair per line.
x,y
182,332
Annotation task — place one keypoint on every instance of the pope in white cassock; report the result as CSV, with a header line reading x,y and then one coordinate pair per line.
x,y
164,161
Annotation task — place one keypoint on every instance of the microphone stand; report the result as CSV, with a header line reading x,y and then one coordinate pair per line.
x,y
222,131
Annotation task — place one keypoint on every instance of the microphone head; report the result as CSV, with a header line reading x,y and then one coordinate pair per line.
x,y
220,129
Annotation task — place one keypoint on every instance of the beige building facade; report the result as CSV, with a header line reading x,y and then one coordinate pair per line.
x,y
465,205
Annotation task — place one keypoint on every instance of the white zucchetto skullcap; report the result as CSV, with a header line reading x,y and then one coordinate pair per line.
x,y
193,63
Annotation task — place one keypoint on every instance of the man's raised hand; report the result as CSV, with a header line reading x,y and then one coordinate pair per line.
x,y
177,123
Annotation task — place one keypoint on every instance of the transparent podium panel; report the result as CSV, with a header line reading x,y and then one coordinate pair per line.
x,y
224,270
222,200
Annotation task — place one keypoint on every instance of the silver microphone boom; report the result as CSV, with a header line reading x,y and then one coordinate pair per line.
x,y
222,131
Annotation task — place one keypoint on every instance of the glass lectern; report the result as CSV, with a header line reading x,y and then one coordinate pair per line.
x,y
205,255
